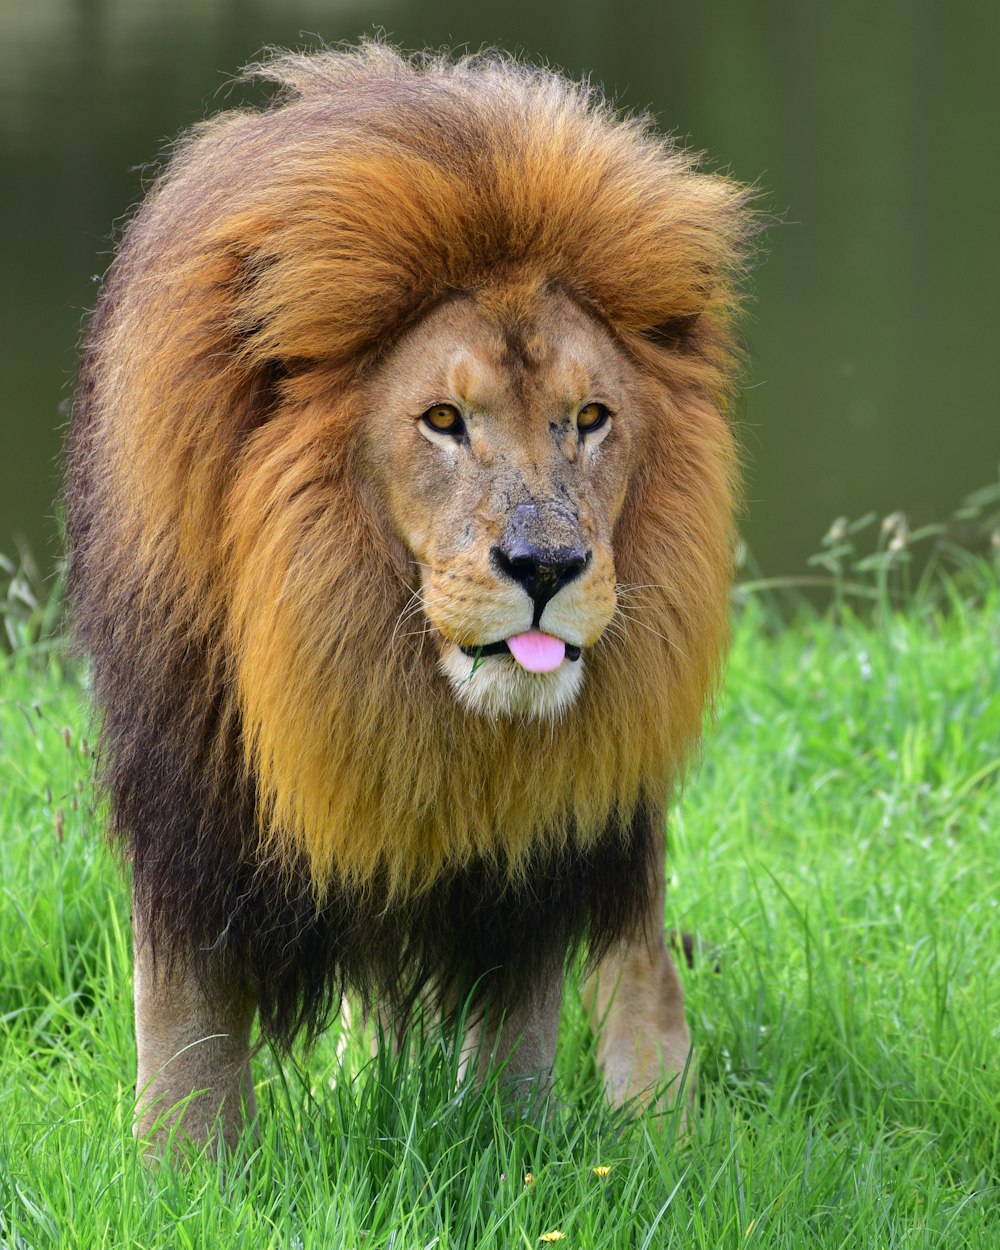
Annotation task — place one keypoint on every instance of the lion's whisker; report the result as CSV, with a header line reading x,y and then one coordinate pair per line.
x,y
636,620
409,609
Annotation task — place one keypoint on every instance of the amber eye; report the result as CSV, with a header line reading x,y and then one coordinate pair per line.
x,y
445,419
591,417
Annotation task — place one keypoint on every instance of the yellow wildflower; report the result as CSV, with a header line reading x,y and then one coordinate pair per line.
x,y
555,1235
601,1171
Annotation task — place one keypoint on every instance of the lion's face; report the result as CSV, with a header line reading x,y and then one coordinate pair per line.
x,y
503,457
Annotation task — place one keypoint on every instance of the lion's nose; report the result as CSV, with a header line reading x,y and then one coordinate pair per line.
x,y
542,567
542,573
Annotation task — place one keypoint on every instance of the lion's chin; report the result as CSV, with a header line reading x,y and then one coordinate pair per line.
x,y
497,686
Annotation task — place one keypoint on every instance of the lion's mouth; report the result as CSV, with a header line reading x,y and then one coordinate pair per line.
x,y
536,652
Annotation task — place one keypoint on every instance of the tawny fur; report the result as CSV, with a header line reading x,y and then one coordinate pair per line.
x,y
233,568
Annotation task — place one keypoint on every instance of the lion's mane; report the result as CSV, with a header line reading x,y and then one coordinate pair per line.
x,y
295,785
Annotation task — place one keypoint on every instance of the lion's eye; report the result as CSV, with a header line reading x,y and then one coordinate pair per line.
x,y
591,417
445,419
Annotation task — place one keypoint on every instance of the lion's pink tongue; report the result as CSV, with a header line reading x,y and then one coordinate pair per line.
x,y
537,652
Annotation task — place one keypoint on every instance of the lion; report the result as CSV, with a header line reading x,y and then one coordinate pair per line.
x,y
400,500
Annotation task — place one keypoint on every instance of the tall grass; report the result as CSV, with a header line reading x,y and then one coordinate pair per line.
x,y
838,856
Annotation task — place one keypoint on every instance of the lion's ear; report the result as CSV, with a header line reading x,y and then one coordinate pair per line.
x,y
263,394
268,373
674,332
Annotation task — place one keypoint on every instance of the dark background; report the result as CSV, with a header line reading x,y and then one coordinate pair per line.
x,y
871,130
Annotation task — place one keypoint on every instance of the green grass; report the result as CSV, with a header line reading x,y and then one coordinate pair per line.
x,y
838,854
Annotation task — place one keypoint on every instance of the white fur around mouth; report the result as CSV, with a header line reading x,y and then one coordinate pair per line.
x,y
497,686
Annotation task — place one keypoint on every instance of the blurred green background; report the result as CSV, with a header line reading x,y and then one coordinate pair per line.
x,y
871,129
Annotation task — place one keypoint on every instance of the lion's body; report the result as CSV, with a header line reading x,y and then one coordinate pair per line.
x,y
281,573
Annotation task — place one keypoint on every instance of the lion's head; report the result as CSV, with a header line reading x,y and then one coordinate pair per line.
x,y
402,475
504,446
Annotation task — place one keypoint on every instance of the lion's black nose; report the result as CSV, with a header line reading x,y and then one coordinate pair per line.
x,y
541,573
541,561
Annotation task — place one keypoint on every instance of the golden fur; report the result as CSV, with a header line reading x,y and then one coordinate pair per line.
x,y
255,301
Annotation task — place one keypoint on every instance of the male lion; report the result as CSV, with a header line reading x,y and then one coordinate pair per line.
x,y
399,503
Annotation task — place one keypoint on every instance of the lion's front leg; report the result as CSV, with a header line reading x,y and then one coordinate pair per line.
x,y
522,1040
637,1003
193,1037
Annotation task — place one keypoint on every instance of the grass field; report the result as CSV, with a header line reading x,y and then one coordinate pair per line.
x,y
838,854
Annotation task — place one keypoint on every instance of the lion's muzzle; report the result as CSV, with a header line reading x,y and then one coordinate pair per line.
x,y
541,549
